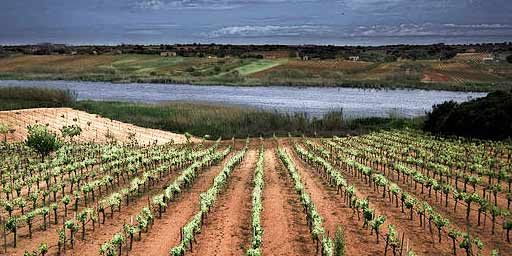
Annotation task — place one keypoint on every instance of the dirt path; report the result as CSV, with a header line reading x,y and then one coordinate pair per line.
x,y
166,232
227,230
420,240
458,218
285,226
335,212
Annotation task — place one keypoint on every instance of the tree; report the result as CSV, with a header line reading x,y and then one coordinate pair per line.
x,y
485,118
440,113
118,241
466,244
392,240
42,140
495,212
447,54
130,230
65,200
440,222
62,240
469,198
82,217
509,59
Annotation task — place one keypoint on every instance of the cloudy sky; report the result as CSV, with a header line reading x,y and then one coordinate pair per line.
x,y
341,22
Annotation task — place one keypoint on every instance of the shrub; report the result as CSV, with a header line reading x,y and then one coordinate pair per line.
x,y
485,118
42,140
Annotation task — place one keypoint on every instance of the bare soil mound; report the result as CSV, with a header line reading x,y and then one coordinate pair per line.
x,y
94,127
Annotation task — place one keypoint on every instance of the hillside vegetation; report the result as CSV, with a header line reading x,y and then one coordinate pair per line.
x,y
453,74
486,118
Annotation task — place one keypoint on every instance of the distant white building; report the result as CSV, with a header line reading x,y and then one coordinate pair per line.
x,y
168,54
353,58
488,57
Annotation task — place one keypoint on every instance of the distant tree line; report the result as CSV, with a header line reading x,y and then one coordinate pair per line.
x,y
484,118
368,53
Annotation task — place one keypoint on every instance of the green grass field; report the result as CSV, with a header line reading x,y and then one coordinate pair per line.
x,y
260,65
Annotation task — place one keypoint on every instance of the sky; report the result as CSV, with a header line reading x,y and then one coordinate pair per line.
x,y
337,22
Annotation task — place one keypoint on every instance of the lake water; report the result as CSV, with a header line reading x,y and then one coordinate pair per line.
x,y
312,100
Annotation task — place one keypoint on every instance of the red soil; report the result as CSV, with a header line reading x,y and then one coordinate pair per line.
x,y
335,212
420,240
165,233
227,229
94,237
284,224
434,77
113,225
458,218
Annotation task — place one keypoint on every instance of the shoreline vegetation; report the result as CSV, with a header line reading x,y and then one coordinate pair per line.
x,y
368,84
202,119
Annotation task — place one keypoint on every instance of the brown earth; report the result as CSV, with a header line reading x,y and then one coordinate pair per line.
x,y
166,232
227,229
95,236
419,239
458,218
434,77
284,224
336,212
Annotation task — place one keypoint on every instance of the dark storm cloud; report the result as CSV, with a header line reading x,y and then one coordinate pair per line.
x,y
206,4
300,21
401,30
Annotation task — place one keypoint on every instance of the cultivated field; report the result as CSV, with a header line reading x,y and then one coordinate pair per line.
x,y
392,192
455,74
